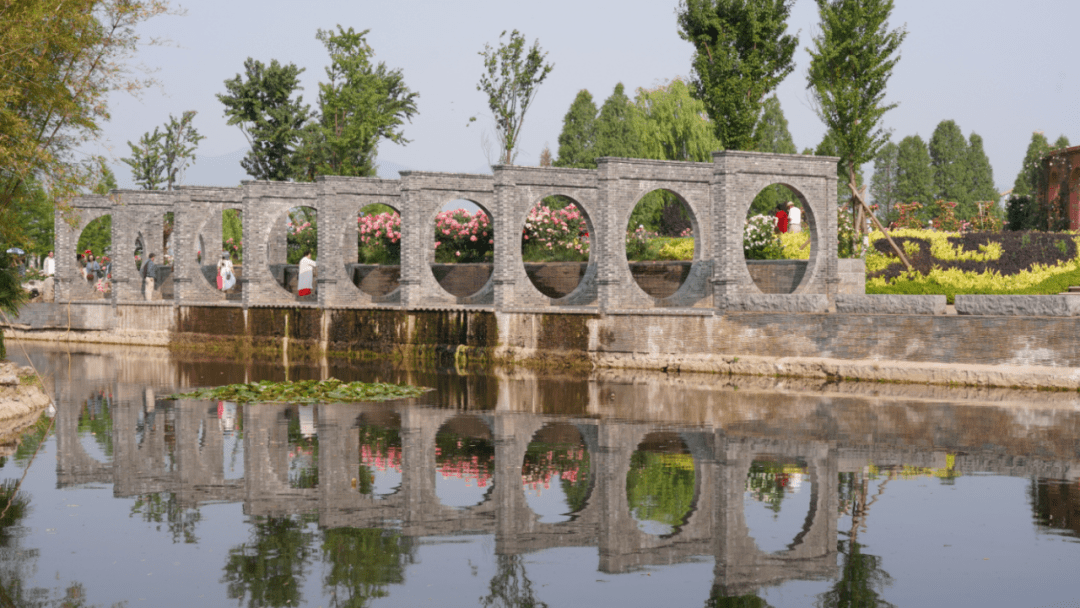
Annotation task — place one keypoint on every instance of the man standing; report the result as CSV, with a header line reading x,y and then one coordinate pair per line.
x,y
50,265
147,272
794,218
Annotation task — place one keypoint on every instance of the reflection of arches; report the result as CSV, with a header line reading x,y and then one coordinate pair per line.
x,y
558,449
465,451
664,454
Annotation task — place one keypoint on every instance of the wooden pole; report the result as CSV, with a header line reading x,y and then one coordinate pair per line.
x,y
858,197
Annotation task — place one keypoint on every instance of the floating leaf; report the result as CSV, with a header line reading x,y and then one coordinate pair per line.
x,y
305,391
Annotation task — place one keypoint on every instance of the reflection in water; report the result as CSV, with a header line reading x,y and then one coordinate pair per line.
x,y
1056,505
556,473
770,484
231,424
303,448
363,562
465,461
380,460
862,579
661,483
511,587
164,508
269,569
96,424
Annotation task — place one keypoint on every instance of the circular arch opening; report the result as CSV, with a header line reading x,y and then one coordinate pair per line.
x,y
379,474
778,239
93,253
777,502
464,461
96,425
660,244
556,473
661,485
222,267
555,245
464,248
293,252
376,267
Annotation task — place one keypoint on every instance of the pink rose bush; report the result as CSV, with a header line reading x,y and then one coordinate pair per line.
x,y
379,238
461,237
555,235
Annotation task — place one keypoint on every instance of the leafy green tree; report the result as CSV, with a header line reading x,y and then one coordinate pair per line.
x,y
147,169
1027,181
261,104
883,183
577,142
97,237
741,54
511,82
827,147
772,135
851,61
1061,142
948,158
981,173
615,132
269,569
915,176
360,105
33,218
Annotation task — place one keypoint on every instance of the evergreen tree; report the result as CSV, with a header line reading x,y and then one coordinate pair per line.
x,y
884,180
914,175
1027,180
772,135
948,157
741,54
577,142
615,134
982,174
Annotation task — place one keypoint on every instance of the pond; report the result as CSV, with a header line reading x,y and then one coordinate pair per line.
x,y
522,488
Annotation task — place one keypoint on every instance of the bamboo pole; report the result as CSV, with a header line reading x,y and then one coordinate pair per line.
x,y
858,197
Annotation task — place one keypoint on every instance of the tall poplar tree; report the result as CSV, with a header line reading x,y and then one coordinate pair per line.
x,y
741,54
772,135
851,61
948,157
1027,181
914,175
982,174
615,134
511,79
577,142
883,183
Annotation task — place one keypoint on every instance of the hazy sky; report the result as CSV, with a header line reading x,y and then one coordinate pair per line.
x,y
1001,69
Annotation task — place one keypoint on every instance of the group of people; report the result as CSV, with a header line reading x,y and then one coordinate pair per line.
x,y
788,218
93,269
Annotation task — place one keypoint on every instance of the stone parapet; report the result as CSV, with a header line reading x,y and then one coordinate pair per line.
x,y
816,303
1022,306
878,304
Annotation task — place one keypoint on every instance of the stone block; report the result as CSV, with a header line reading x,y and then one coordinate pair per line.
x,y
814,303
877,304
1025,306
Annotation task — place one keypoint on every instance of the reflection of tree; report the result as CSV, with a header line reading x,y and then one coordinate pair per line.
x,y
380,450
861,576
303,456
660,487
162,507
767,481
510,587
96,418
570,461
269,569
363,563
465,457
719,599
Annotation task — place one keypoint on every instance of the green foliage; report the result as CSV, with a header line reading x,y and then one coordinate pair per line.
x,y
97,237
360,105
671,124
147,169
741,54
948,158
577,142
660,487
982,186
615,132
363,562
165,508
305,391
260,104
884,181
860,583
303,234
761,241
511,82
1061,142
772,135
851,61
269,569
1025,213
914,175
31,219
232,237
1027,181
162,156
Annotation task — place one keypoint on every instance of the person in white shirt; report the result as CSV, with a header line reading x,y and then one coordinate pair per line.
x,y
304,281
794,218
50,265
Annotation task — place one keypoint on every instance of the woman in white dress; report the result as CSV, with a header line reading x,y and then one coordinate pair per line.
x,y
226,278
303,284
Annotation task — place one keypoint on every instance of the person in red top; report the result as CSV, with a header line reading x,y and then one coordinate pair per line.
x,y
781,219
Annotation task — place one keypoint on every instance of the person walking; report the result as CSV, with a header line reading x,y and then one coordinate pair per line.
x,y
226,278
93,268
304,282
794,217
781,219
147,273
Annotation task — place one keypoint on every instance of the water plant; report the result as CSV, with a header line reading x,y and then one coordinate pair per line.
x,y
305,391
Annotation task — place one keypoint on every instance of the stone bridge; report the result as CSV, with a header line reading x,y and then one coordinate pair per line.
x,y
716,195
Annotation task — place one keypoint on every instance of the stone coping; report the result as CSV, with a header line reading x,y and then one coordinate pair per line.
x,y
880,304
791,303
1018,306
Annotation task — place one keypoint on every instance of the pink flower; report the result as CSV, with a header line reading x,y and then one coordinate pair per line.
x,y
473,238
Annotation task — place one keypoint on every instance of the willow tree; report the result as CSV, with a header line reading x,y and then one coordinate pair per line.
x,y
742,52
851,61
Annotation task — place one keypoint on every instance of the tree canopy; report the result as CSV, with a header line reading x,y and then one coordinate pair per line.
x,y
949,159
511,81
615,132
914,175
577,142
741,54
883,183
162,157
1027,180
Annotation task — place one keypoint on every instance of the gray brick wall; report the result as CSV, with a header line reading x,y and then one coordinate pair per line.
x,y
717,195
